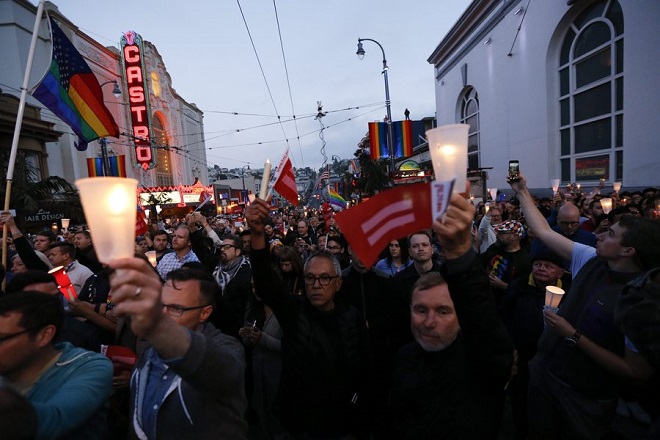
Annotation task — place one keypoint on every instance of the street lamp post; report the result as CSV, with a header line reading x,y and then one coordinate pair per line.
x,y
103,141
390,137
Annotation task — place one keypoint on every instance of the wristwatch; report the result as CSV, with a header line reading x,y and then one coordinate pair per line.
x,y
574,338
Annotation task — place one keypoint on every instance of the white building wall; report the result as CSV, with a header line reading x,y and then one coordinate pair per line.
x,y
518,94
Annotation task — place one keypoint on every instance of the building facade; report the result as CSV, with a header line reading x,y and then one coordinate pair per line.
x,y
568,88
176,126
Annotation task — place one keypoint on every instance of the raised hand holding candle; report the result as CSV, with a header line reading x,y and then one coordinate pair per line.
x,y
493,194
265,180
606,204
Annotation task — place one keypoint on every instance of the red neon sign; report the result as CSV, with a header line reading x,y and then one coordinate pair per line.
x,y
137,98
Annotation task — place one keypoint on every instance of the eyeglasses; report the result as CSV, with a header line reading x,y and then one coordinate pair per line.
x,y
3,339
323,280
227,246
177,310
569,223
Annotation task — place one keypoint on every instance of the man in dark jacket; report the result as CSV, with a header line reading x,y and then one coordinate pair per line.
x,y
190,383
324,350
232,272
449,383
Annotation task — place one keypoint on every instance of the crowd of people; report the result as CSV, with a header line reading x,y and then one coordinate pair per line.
x,y
273,328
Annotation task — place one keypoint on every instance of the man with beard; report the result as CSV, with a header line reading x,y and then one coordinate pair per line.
x,y
233,274
448,383
160,242
183,253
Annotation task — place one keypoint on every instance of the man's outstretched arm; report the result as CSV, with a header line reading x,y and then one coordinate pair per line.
x,y
559,244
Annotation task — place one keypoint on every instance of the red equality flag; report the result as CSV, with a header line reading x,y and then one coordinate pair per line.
x,y
370,226
285,180
141,226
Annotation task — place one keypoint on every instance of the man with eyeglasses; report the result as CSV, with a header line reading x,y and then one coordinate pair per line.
x,y
183,252
324,384
67,386
190,382
568,225
232,271
584,359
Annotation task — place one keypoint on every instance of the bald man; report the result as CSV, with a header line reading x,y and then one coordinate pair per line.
x,y
568,224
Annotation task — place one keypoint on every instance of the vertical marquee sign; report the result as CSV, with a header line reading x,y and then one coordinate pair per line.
x,y
132,51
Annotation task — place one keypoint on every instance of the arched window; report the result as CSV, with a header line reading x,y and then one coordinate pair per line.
x,y
470,115
591,95
163,162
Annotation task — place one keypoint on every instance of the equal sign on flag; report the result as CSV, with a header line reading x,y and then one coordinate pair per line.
x,y
392,214
285,180
71,91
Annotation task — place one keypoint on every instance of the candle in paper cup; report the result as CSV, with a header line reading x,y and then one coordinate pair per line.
x,y
606,204
264,181
65,223
151,256
110,205
555,185
493,193
448,148
616,186
553,296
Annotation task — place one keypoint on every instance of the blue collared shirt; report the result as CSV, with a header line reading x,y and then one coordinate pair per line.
x,y
171,261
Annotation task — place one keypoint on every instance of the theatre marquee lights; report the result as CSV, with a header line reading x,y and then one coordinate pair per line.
x,y
132,51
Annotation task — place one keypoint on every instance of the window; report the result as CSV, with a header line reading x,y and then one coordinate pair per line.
x,y
470,115
163,162
591,95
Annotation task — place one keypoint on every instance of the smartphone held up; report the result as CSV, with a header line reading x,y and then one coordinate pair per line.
x,y
514,170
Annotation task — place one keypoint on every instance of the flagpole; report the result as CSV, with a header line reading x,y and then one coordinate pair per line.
x,y
19,124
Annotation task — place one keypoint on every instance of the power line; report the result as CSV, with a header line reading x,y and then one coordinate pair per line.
x,y
263,74
288,83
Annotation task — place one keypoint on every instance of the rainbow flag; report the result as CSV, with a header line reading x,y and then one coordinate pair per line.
x,y
117,166
95,166
336,200
403,139
378,140
71,91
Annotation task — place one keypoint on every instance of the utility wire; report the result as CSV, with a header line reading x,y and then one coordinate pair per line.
x,y
286,70
263,74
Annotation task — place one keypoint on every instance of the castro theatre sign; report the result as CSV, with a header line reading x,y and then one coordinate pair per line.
x,y
132,53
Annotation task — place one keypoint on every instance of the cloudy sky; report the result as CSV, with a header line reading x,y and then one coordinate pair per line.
x,y
209,55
